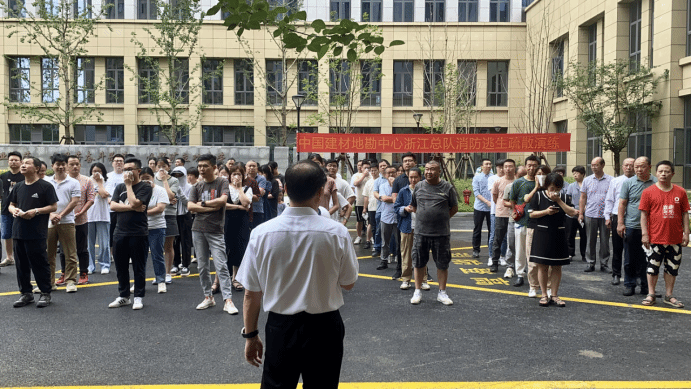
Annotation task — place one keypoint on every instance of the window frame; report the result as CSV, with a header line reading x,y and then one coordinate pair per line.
x,y
212,81
308,74
435,11
339,82
243,69
561,127
635,26
401,15
496,84
160,140
371,83
50,91
642,137
373,17
16,11
151,11
85,80
34,130
339,9
20,77
496,12
275,81
434,71
116,11
558,68
594,148
149,73
85,6
115,80
468,10
181,76
402,90
109,130
463,68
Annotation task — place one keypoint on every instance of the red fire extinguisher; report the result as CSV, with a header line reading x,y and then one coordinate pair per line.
x,y
467,196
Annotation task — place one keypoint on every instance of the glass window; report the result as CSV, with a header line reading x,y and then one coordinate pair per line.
x,y
82,8
290,5
50,8
307,81
434,10
115,10
16,9
180,77
20,85
467,79
403,83
227,136
371,10
651,33
244,91
561,156
689,30
403,10
115,81
593,53
639,143
558,65
499,10
98,135
152,135
497,84
339,9
275,82
146,9
212,71
593,150
371,83
34,134
468,10
50,84
433,84
635,34
339,82
148,81
85,81
683,141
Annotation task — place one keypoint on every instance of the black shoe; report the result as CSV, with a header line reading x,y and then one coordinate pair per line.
x,y
589,268
24,300
644,291
493,268
616,280
629,291
476,254
366,245
43,301
605,269
375,254
583,259
519,281
397,275
430,279
383,265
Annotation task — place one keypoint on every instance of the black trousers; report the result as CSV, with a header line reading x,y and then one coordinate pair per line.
x,y
305,345
618,246
114,221
137,249
182,245
81,233
478,217
31,255
572,226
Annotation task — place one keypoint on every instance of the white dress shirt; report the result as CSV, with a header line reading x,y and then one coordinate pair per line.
x,y
612,199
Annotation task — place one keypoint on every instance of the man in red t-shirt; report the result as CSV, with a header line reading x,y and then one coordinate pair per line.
x,y
665,231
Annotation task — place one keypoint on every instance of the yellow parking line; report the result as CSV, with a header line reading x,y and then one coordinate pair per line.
x,y
454,249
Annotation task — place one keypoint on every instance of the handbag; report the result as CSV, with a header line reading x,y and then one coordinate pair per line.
x,y
519,211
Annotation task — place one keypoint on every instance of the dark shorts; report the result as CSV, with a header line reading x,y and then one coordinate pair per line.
x,y
439,245
6,226
171,226
359,214
669,254
371,219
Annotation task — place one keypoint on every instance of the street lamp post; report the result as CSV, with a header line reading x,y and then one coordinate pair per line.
x,y
417,117
298,101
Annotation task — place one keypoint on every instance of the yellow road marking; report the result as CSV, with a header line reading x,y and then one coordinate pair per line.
x,y
454,249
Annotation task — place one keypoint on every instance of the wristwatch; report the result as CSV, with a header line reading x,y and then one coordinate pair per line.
x,y
36,213
204,203
250,335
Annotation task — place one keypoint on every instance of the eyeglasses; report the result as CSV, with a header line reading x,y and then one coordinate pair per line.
x,y
131,169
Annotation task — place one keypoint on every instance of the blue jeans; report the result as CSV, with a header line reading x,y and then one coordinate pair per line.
x,y
6,227
157,236
98,233
635,259
378,233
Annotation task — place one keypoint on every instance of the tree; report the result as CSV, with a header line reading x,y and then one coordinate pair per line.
x,y
61,29
609,97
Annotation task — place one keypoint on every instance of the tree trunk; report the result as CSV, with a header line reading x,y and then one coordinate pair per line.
x,y
616,163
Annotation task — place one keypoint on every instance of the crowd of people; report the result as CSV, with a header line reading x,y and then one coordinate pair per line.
x,y
532,215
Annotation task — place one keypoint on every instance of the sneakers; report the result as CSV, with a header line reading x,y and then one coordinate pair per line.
x,y
36,290
61,280
24,300
193,260
476,254
175,270
138,303
90,272
415,300
169,279
383,264
405,285
509,273
71,287
83,279
228,307
105,271
357,240
425,286
7,262
119,302
503,261
162,288
390,259
443,298
43,301
366,245
532,292
375,253
493,268
184,271
490,261
208,302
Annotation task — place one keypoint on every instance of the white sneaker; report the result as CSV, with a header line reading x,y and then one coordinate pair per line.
x,y
175,270
208,302
415,300
443,298
162,288
532,292
119,302
503,261
405,285
193,260
549,292
71,287
425,286
357,240
490,261
229,307
138,303
36,290
132,288
184,271
169,279
90,272
105,271
509,273
7,262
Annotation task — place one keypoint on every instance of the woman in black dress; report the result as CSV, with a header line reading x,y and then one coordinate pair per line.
x,y
548,208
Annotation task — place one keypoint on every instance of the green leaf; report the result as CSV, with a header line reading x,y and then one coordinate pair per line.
x,y
318,25
379,50
214,10
351,55
302,15
396,43
323,51
338,50
259,16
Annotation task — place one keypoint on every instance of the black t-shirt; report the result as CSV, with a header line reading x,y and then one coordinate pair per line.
x,y
400,182
132,223
27,197
9,180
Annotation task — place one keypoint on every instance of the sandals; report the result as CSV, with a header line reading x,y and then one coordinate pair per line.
x,y
672,301
649,300
544,302
215,288
237,286
557,301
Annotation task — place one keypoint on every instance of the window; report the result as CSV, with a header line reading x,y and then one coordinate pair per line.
x,y
180,77
50,84
371,10
146,9
468,10
275,82
15,9
433,84
371,83
683,139
651,33
558,66
339,9
434,10
688,46
290,5
34,134
339,82
499,10
244,91
593,56
403,83
307,81
593,149
82,8
115,81
403,10
635,34
275,138
227,136
116,9
152,135
148,81
50,8
84,78
20,86
421,158
497,84
99,135
561,156
467,80
212,70
639,143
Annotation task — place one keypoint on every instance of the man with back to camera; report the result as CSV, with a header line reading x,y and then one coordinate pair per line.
x,y
295,267
9,179
481,207
610,213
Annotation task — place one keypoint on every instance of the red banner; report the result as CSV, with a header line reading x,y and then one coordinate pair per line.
x,y
427,143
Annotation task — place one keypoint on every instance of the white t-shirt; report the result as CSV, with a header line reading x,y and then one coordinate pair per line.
x,y
66,190
368,190
100,211
158,195
235,196
360,200
113,180
491,181
342,203
343,187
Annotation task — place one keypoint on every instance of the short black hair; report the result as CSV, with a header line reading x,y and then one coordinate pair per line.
x,y
118,156
312,156
103,170
553,179
207,157
365,162
667,163
579,169
147,170
485,159
193,170
273,165
510,160
383,160
73,157
334,161
164,160
415,169
499,162
304,179
545,169
560,169
128,155
409,154
181,159
152,159
58,158
532,158
15,153
36,163
136,161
